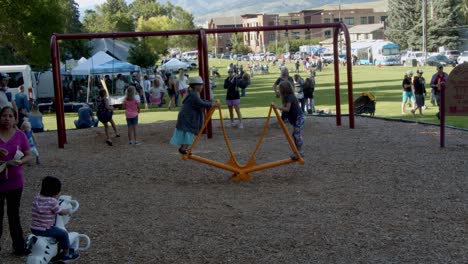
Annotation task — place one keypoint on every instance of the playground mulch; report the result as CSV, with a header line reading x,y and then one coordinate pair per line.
x,y
384,192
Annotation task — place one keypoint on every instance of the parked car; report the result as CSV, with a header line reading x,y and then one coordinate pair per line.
x,y
463,57
419,56
192,63
328,58
245,58
225,56
452,54
440,59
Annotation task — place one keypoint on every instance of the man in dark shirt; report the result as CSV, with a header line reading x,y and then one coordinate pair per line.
x,y
419,90
438,80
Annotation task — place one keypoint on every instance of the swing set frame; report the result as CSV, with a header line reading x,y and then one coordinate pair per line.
x,y
202,62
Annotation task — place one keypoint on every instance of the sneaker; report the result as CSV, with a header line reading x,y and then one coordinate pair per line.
x,y
241,125
70,257
130,142
232,124
137,143
294,157
182,151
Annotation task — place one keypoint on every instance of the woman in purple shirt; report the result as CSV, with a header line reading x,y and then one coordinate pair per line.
x,y
14,152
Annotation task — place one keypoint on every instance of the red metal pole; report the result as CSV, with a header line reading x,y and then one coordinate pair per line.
x,y
349,68
336,66
58,94
204,73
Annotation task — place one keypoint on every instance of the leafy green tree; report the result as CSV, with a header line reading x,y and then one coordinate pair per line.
x,y
111,16
181,19
141,55
157,45
27,26
145,9
73,48
237,44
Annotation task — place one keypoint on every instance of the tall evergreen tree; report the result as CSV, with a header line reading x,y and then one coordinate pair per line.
x,y
401,21
443,30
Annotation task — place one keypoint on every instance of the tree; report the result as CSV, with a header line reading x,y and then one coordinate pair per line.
x,y
145,9
73,48
238,44
405,23
27,26
141,55
157,45
181,19
443,29
111,16
401,16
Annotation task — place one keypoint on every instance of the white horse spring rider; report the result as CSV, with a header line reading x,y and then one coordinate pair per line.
x,y
43,249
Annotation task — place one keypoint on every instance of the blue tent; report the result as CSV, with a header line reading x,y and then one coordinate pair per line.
x,y
114,66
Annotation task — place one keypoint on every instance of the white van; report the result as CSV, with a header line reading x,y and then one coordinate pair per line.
x,y
21,75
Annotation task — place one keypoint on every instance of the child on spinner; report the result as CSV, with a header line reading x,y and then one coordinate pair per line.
x,y
45,208
190,118
132,108
26,127
293,112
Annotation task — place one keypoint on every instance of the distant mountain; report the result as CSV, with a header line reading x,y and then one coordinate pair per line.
x,y
204,10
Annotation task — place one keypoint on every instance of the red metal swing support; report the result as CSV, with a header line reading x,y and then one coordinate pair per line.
x,y
202,61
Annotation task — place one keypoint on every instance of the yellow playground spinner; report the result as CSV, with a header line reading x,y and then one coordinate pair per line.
x,y
241,172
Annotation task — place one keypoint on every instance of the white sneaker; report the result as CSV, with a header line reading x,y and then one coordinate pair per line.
x,y
232,124
137,143
241,125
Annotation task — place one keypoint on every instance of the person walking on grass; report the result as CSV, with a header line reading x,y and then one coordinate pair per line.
x,y
438,80
419,90
132,108
233,97
105,113
191,115
407,91
293,113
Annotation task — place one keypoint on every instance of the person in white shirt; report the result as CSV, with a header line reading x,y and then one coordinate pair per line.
x,y
182,84
119,85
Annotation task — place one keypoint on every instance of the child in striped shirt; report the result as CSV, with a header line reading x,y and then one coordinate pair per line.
x,y
44,211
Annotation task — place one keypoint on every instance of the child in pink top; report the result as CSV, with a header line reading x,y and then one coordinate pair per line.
x,y
132,108
44,211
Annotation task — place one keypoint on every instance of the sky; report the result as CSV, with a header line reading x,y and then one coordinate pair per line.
x,y
89,4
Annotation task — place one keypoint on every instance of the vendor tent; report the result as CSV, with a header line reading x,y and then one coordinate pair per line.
x,y
114,66
174,64
97,59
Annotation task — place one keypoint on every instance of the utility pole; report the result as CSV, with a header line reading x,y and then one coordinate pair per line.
x,y
276,35
424,29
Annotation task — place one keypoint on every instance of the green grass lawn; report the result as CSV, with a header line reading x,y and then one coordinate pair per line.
x,y
384,82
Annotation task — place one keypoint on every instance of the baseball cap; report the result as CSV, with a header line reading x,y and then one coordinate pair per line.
x,y
419,71
4,76
410,72
195,80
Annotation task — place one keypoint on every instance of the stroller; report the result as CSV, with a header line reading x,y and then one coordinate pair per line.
x,y
365,104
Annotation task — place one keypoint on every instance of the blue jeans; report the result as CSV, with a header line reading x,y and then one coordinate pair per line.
x,y
56,232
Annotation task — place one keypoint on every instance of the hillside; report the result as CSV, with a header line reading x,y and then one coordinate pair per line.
x,y
203,10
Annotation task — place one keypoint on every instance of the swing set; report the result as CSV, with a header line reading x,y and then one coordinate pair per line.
x,y
203,65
